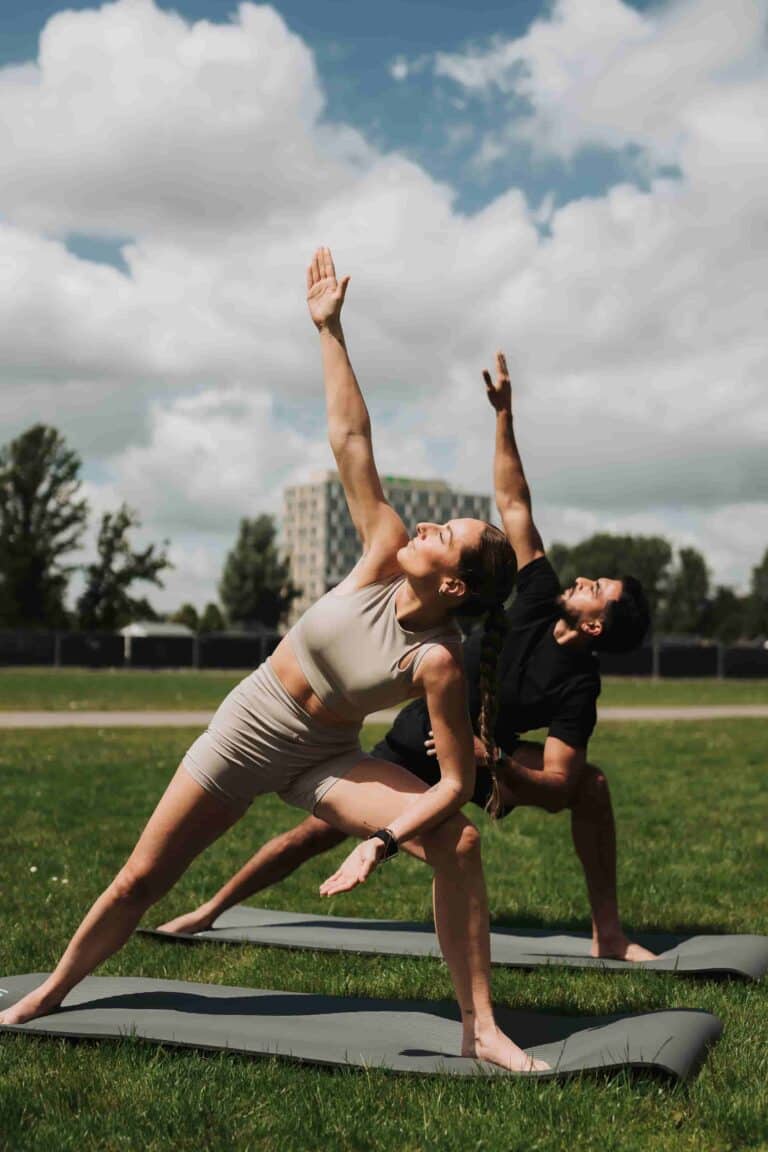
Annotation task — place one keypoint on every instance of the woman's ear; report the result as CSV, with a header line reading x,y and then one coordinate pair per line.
x,y
454,587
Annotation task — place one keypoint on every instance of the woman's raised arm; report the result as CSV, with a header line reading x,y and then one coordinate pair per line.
x,y
349,425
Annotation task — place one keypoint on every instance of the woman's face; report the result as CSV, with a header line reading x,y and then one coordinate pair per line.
x,y
436,549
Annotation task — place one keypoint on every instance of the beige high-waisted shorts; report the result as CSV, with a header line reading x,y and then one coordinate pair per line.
x,y
260,740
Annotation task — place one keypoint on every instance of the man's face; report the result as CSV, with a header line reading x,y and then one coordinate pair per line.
x,y
584,603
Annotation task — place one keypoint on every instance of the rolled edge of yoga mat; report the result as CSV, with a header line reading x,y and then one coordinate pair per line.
x,y
421,1037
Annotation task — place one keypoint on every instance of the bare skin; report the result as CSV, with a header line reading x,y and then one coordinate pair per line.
x,y
523,782
427,822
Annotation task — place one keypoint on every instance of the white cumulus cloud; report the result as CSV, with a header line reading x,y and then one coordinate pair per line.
x,y
191,381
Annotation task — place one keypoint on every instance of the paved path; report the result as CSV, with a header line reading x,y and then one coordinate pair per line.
x,y
200,719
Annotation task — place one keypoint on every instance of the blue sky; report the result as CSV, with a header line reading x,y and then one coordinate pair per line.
x,y
580,182
355,44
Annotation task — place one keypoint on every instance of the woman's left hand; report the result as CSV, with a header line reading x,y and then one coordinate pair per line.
x,y
356,868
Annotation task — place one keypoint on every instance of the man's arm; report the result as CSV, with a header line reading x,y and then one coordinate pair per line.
x,y
513,497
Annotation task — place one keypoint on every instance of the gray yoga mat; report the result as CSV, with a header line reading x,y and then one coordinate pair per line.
x,y
398,1035
743,956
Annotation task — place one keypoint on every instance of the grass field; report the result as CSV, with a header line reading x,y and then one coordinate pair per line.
x,y
691,811
82,690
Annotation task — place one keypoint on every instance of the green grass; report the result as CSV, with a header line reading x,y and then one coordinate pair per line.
x,y
692,819
82,690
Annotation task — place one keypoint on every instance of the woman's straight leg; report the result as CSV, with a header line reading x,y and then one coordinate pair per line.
x,y
186,820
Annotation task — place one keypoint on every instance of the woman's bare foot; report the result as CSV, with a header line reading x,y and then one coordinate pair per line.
x,y
189,923
619,948
497,1048
34,1004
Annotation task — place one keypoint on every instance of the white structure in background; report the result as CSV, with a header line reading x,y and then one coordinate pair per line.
x,y
321,543
151,628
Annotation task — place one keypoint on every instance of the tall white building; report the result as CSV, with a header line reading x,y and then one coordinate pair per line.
x,y
321,542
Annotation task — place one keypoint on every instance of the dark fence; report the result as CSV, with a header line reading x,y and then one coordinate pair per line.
x,y
160,651
745,662
637,663
248,650
28,648
240,650
689,660
90,650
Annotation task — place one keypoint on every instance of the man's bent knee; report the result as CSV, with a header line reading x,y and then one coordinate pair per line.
x,y
314,836
593,791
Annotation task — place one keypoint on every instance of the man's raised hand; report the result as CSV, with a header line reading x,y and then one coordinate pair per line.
x,y
325,295
499,392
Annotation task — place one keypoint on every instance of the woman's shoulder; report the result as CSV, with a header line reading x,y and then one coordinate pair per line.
x,y
369,575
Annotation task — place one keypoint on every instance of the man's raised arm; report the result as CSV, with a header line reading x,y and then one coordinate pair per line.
x,y
513,497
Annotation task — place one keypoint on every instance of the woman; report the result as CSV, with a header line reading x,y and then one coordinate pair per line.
x,y
384,634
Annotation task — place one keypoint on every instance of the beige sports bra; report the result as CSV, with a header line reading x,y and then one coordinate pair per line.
x,y
350,647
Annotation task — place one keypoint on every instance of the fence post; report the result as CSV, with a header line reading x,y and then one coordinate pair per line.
x,y
720,661
196,651
57,649
655,648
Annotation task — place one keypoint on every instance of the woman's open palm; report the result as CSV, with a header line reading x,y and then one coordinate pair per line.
x,y
325,295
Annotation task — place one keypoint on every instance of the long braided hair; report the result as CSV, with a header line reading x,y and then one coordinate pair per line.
x,y
489,572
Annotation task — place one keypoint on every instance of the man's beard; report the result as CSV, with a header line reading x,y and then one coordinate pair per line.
x,y
571,618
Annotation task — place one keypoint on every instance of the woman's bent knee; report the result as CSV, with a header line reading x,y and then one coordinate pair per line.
x,y
457,840
138,886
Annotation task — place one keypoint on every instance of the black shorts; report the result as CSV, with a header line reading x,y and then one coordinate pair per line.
x,y
428,770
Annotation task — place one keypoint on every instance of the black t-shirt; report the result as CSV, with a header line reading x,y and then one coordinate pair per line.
x,y
541,684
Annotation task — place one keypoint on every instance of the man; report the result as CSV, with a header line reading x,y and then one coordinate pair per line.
x,y
547,676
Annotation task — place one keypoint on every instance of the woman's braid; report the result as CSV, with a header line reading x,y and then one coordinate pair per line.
x,y
494,629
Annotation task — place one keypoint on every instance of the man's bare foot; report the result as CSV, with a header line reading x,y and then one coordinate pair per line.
x,y
189,923
31,1006
497,1048
619,948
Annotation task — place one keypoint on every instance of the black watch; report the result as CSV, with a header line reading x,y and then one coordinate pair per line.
x,y
391,847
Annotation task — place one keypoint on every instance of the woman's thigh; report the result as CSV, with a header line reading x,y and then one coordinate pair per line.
x,y
372,795
186,820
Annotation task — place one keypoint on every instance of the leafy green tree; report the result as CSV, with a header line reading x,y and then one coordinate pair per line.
x,y
105,602
212,619
725,617
41,520
757,610
646,557
686,599
255,585
187,614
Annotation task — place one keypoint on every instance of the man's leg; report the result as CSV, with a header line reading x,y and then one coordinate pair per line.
x,y
273,862
524,781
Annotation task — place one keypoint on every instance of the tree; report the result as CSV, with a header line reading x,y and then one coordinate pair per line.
x,y
757,610
255,585
105,603
187,614
211,619
725,618
646,557
41,520
686,600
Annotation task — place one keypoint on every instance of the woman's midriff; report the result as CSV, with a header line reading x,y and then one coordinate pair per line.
x,y
286,667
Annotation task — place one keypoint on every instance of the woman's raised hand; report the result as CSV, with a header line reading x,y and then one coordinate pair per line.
x,y
325,295
499,392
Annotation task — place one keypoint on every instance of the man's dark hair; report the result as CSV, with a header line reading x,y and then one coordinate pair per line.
x,y
626,620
